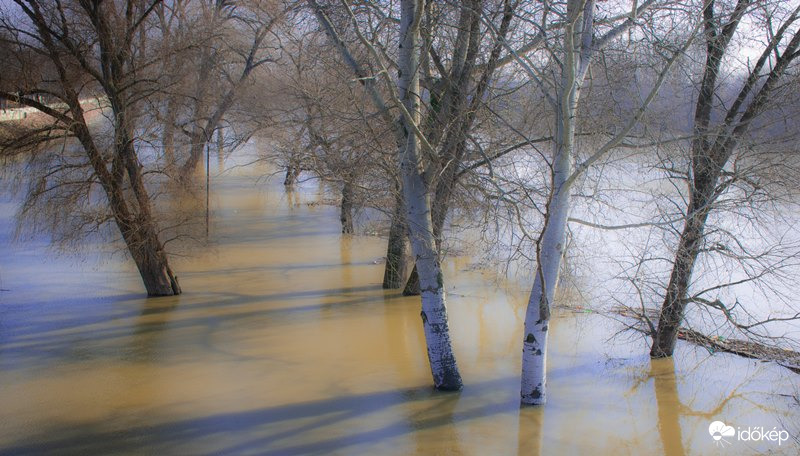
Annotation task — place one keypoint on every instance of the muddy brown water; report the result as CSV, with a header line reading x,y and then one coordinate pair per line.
x,y
284,343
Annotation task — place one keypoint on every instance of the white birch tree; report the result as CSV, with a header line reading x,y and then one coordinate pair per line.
x,y
580,36
411,142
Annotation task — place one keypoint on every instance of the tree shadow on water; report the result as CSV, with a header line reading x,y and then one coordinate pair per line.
x,y
315,427
112,331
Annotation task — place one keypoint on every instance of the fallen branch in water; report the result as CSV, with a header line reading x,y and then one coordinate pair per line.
x,y
746,348
789,359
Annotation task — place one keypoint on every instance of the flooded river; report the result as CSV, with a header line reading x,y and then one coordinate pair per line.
x,y
284,343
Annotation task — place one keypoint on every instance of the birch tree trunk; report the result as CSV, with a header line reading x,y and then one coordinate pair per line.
x,y
416,192
418,209
453,115
551,243
550,248
580,42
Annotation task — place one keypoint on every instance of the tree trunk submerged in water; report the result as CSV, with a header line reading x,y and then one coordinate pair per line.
x,y
434,311
418,210
139,230
151,261
346,212
675,300
713,146
397,260
133,216
552,240
116,169
551,247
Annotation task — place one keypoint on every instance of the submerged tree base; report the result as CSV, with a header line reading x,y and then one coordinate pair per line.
x,y
412,284
789,359
450,386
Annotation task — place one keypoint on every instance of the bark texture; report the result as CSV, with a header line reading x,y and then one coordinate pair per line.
x,y
418,210
416,193
397,258
551,249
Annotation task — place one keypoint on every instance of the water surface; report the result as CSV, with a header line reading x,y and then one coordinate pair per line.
x,y
284,343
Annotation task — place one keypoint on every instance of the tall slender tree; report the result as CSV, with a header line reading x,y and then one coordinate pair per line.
x,y
719,129
411,145
573,44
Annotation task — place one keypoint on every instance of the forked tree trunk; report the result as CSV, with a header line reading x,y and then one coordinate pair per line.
x,y
713,147
700,192
412,284
198,141
292,172
457,112
451,108
418,208
202,135
133,218
139,228
441,204
212,118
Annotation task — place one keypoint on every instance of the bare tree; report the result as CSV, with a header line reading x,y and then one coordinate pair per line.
x,y
90,53
327,127
231,41
458,92
720,130
411,144
572,42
